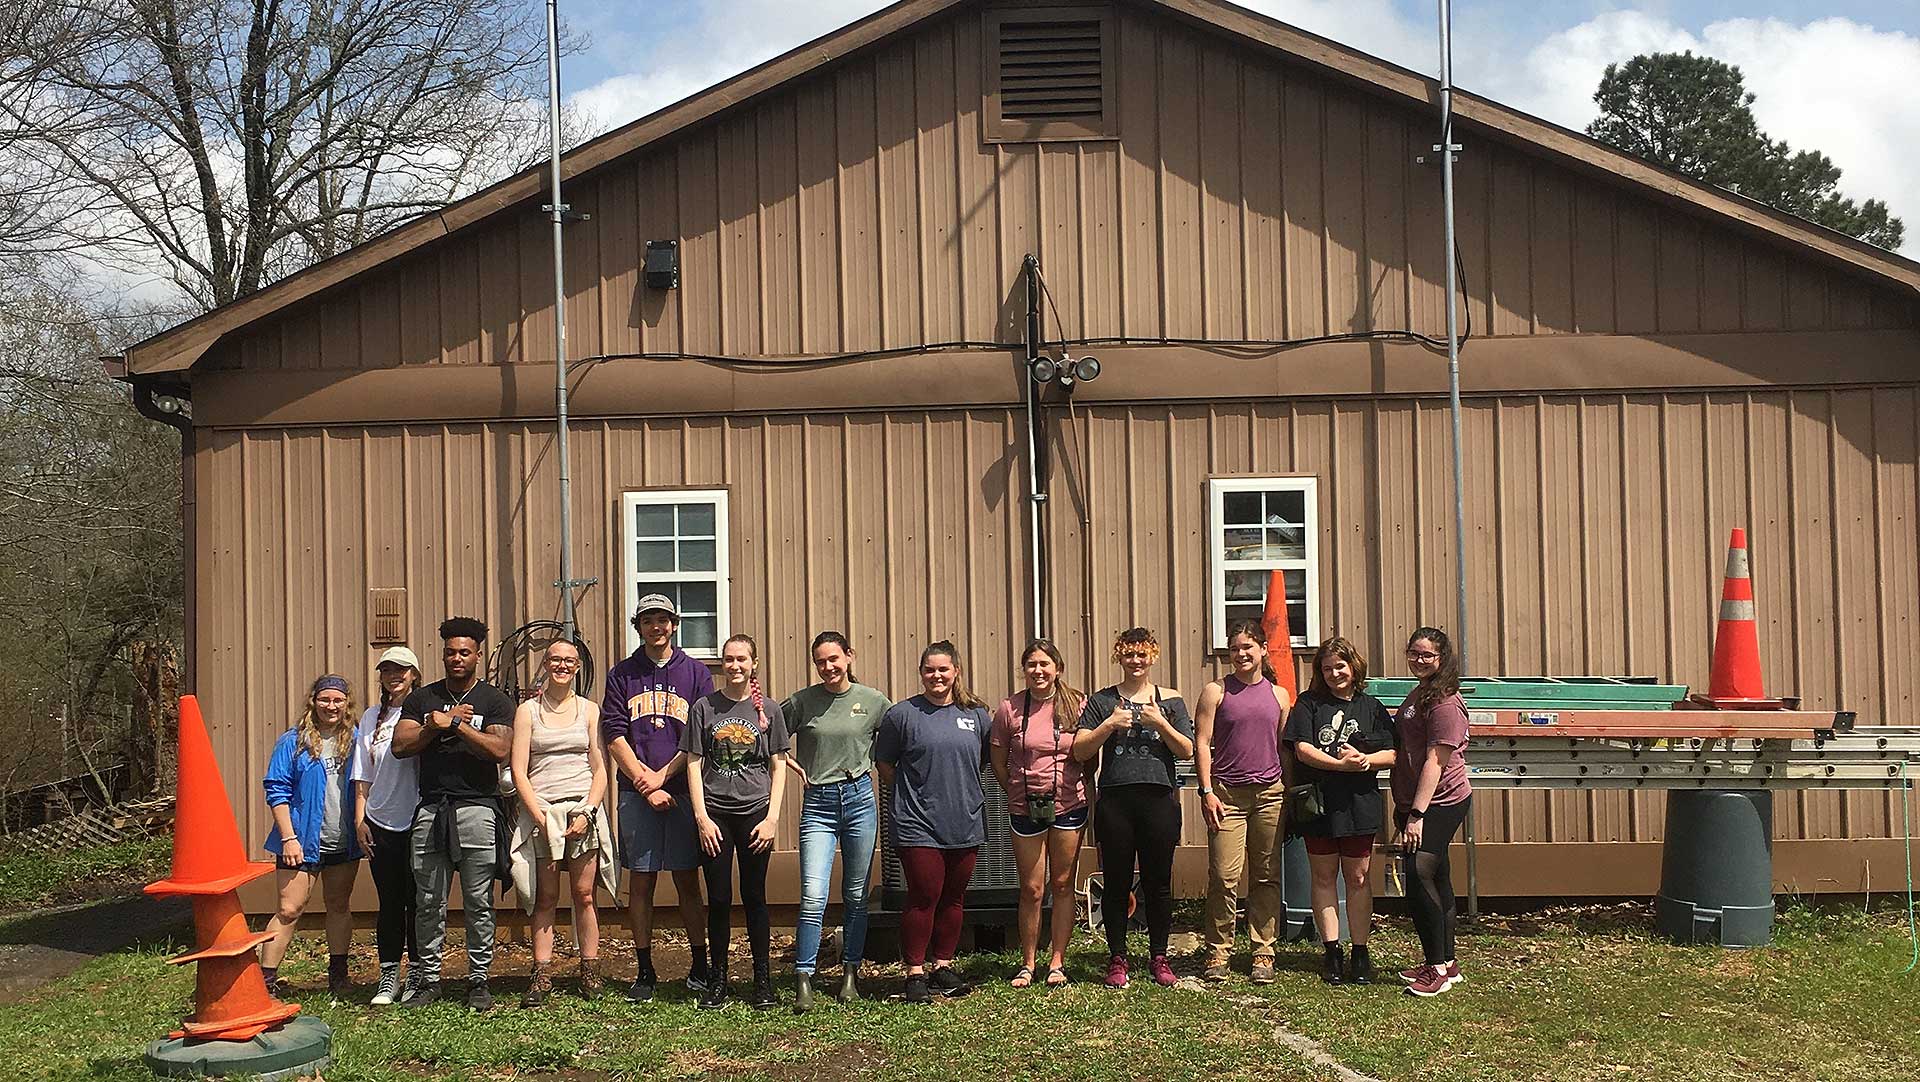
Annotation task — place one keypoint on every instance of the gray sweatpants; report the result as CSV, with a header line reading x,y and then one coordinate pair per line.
x,y
433,869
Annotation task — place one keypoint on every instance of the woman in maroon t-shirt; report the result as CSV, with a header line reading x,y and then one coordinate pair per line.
x,y
1431,799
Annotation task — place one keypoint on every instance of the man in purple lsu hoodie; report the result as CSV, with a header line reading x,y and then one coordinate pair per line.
x,y
642,717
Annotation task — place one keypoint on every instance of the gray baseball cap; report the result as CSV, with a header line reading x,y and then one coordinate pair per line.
x,y
657,603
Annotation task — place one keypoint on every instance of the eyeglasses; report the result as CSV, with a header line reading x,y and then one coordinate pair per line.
x,y
563,663
1416,655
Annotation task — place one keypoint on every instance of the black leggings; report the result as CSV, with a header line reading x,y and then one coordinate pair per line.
x,y
1137,822
1430,881
393,882
735,831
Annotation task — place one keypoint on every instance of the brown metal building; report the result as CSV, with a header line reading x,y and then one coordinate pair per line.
x,y
1652,362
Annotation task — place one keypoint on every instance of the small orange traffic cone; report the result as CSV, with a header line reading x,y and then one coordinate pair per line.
x,y
1734,682
230,996
1279,635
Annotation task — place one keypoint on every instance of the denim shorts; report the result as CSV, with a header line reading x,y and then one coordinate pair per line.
x,y
327,860
658,841
1027,828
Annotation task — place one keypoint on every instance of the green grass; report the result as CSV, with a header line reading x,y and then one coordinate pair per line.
x,y
1577,994
39,879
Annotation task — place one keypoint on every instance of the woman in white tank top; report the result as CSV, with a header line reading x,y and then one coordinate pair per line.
x,y
560,783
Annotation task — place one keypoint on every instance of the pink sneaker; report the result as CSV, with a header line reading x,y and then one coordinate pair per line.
x,y
1162,972
1117,971
1431,982
1452,971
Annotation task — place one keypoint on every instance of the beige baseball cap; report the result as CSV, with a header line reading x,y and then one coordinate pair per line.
x,y
399,655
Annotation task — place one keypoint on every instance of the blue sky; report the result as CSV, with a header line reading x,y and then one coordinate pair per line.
x,y
1837,76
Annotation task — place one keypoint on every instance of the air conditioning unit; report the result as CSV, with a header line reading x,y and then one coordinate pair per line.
x,y
996,878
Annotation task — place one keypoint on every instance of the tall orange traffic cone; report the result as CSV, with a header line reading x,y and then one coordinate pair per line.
x,y
1279,635
1734,682
230,996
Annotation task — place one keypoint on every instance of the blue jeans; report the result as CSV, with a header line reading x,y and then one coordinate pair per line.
x,y
841,813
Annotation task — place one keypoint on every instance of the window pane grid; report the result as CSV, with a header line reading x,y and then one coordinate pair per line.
x,y
678,547
1264,525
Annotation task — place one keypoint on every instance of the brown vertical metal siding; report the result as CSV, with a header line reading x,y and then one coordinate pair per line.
x,y
1600,524
1245,197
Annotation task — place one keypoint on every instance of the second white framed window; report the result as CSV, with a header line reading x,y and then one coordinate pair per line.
x,y
1257,525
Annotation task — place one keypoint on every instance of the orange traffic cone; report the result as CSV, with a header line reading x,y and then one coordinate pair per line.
x,y
1279,635
209,863
1734,682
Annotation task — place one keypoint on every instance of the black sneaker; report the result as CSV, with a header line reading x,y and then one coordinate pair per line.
x,y
429,994
697,980
643,986
946,981
713,992
479,999
1360,966
1330,968
917,989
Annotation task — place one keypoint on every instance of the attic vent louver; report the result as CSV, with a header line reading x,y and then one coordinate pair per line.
x,y
1050,75
1050,70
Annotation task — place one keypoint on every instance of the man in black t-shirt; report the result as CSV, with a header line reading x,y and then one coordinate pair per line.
x,y
460,729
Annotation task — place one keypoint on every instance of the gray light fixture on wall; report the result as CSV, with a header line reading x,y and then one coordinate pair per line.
x,y
662,264
1066,371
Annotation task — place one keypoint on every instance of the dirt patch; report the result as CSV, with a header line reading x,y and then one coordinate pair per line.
x,y
858,1059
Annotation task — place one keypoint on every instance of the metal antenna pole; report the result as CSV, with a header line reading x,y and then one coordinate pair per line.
x,y
557,212
1446,150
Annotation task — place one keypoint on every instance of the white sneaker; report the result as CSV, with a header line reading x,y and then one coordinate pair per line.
x,y
389,989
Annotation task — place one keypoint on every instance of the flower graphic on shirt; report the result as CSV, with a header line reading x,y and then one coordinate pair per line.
x,y
1337,730
730,747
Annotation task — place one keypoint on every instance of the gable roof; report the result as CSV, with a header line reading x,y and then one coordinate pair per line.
x,y
177,349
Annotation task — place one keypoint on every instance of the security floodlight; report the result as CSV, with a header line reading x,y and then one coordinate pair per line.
x,y
1085,369
1043,369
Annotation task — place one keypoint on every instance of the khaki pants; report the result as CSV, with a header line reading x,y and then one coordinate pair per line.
x,y
1248,842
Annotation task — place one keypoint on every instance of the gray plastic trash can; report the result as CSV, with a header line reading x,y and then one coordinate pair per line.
x,y
1296,894
1716,868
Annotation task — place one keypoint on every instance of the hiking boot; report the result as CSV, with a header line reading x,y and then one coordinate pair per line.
x,y
1216,970
428,994
590,980
1331,970
1360,966
479,1000
539,988
643,986
946,981
1162,972
849,984
802,993
917,989
1117,971
388,990
1431,982
763,998
713,990
1262,971
338,983
276,987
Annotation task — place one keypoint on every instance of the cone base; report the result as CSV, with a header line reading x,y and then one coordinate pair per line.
x,y
300,1048
241,1028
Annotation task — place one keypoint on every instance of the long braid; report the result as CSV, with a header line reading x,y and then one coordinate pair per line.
x,y
759,704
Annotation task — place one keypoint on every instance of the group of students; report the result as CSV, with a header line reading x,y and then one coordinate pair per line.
x,y
700,774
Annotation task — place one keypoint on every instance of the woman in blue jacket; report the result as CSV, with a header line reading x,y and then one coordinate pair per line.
x,y
310,792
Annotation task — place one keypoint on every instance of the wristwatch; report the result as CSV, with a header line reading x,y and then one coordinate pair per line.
x,y
1415,813
1206,790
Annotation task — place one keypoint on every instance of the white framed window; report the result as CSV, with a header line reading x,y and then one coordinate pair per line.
x,y
676,544
1257,525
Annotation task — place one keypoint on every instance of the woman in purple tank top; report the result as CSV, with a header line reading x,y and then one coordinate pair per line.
x,y
1242,796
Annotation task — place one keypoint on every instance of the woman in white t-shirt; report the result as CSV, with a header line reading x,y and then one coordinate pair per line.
x,y
386,791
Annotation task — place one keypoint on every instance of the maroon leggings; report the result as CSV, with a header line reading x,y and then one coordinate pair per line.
x,y
936,901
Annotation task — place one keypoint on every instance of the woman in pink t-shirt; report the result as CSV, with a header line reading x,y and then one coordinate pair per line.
x,y
1032,749
1431,799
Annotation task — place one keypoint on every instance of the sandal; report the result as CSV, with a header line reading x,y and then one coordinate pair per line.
x,y
1022,977
1056,978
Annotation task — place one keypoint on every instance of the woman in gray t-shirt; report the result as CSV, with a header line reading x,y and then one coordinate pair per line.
x,y
736,746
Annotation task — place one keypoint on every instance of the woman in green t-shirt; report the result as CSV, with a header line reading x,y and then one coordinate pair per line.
x,y
833,725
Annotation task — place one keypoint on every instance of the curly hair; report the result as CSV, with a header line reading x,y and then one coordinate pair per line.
x,y
463,627
1136,636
